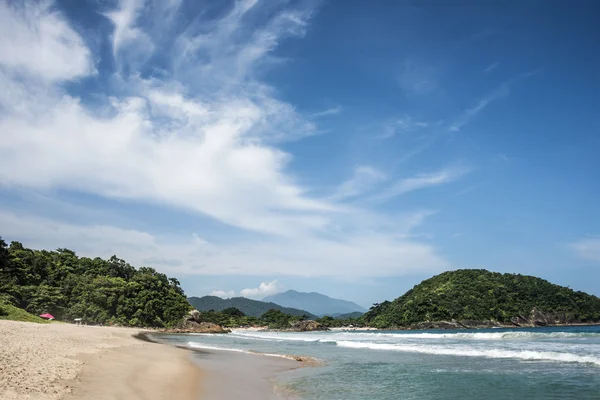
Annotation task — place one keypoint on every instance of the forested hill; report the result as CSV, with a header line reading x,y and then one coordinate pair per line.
x,y
479,295
253,308
96,290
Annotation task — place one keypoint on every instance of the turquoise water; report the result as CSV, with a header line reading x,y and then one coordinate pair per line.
x,y
529,363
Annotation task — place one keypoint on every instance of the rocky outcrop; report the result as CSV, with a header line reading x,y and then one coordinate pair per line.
x,y
192,323
534,318
307,326
539,318
199,327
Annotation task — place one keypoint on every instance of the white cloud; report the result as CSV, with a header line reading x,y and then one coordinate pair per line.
x,y
131,45
263,290
390,250
223,294
587,249
36,40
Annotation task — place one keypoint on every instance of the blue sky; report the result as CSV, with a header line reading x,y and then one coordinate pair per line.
x,y
352,148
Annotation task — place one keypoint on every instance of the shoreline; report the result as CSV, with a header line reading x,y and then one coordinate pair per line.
x,y
232,375
63,361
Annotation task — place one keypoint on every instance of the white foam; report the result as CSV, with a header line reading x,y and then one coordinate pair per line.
x,y
464,352
399,337
196,345
475,335
276,337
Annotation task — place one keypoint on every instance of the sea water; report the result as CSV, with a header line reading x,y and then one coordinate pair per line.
x,y
527,363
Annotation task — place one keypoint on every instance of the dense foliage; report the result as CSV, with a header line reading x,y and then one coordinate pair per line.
x,y
253,308
96,290
339,322
482,295
232,318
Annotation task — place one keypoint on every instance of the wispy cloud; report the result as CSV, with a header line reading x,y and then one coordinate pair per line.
x,y
420,181
470,113
501,91
587,249
364,179
202,136
491,67
417,79
403,124
328,112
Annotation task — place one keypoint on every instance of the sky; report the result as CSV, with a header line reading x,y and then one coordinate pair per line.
x,y
350,148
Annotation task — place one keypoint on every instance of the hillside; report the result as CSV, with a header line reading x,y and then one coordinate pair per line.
x,y
10,312
479,297
252,308
316,303
97,291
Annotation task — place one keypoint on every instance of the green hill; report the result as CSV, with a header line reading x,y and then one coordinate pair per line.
x,y
10,312
478,297
253,308
96,290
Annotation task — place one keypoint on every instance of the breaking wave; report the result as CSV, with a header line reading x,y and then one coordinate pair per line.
x,y
528,355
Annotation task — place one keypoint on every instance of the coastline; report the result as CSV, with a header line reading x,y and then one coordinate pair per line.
x,y
232,375
62,361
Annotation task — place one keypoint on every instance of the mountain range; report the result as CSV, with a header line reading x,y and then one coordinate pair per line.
x,y
316,303
252,308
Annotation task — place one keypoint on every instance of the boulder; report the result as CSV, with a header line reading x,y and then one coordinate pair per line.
x,y
194,315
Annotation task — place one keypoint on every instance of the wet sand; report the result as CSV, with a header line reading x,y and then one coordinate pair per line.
x,y
232,375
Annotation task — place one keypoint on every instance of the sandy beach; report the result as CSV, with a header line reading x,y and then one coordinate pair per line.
x,y
64,361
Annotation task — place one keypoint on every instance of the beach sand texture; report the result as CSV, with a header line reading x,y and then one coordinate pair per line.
x,y
64,361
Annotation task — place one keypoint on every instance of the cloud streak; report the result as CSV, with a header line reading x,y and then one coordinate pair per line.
x,y
501,91
420,181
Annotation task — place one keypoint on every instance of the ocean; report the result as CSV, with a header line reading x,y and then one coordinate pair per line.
x,y
526,363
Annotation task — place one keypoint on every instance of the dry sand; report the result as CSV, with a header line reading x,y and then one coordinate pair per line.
x,y
63,361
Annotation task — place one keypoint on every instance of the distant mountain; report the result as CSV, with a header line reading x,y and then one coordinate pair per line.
x,y
316,303
253,308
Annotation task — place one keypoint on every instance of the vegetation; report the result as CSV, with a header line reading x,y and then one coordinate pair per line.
x,y
8,311
96,290
233,318
338,322
482,296
253,308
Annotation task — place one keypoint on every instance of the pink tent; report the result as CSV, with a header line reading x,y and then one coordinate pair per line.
x,y
47,316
